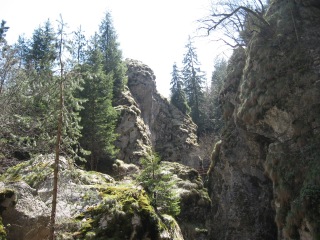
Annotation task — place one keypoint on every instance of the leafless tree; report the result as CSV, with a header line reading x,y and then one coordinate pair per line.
x,y
234,21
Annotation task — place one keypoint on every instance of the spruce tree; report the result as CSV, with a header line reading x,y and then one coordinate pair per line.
x,y
159,185
210,107
193,81
32,96
98,117
112,55
78,46
3,30
33,92
66,114
178,96
217,80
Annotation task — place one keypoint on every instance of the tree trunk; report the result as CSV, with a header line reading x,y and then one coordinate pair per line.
x,y
58,142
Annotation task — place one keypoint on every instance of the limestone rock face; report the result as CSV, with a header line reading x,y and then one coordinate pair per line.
x,y
90,205
265,184
241,193
134,139
148,121
195,202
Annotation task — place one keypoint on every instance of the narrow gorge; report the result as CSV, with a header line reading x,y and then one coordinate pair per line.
x,y
263,182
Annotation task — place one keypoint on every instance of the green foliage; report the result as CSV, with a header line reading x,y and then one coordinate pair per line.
x,y
42,49
3,233
3,30
119,206
193,79
159,184
98,117
30,99
178,96
211,106
112,55
296,186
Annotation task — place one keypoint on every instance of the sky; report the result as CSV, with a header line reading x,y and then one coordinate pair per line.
x,y
152,31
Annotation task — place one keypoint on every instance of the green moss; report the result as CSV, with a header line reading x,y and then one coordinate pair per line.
x,y
3,233
112,219
295,174
215,156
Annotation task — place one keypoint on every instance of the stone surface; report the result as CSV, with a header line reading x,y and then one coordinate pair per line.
x,y
90,205
265,184
171,133
195,202
134,138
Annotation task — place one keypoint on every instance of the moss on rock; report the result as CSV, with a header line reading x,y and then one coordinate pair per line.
x,y
124,213
3,233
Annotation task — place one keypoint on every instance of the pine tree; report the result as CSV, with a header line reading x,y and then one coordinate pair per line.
x,y
33,94
98,117
212,112
159,186
3,30
113,63
193,81
66,114
178,96
217,80
78,46
43,52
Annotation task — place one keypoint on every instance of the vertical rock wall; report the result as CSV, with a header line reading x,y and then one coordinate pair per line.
x,y
266,182
151,122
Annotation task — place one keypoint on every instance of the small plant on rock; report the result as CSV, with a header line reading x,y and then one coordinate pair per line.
x,y
159,185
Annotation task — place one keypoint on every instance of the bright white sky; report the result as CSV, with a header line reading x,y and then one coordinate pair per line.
x,y
152,31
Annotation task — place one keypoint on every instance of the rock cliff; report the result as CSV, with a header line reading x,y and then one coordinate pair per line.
x,y
264,181
149,122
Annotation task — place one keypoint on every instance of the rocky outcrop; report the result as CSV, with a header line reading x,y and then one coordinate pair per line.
x,y
90,205
265,183
134,139
241,193
148,121
194,200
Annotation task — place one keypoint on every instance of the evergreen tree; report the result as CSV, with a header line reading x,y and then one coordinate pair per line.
x,y
159,185
33,94
78,46
212,112
66,114
32,97
7,59
98,117
113,63
217,80
193,81
178,96
3,30
43,52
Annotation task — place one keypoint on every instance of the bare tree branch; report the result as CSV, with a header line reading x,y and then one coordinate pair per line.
x,y
235,20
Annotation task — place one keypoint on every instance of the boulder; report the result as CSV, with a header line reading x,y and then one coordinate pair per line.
x,y
90,205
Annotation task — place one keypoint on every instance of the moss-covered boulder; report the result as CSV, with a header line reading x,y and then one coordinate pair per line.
x,y
90,205
194,200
